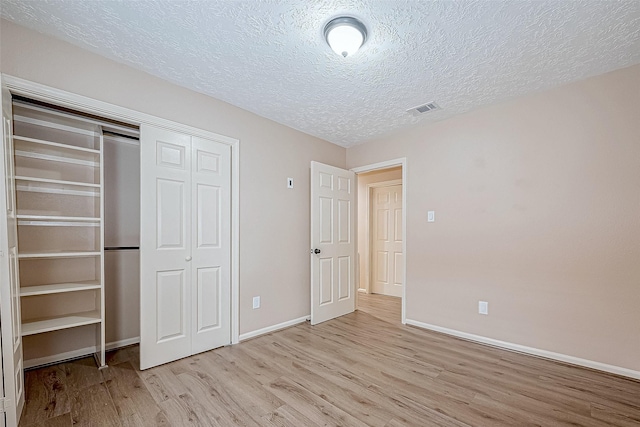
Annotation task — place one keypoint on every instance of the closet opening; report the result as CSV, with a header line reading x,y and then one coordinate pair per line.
x,y
77,210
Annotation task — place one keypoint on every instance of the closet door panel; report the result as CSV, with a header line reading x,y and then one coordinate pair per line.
x,y
165,246
208,299
12,358
211,225
171,218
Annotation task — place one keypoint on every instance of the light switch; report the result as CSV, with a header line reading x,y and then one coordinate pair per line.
x,y
289,182
431,216
483,307
256,302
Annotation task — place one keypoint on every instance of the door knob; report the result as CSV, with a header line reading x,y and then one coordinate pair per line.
x,y
316,251
188,258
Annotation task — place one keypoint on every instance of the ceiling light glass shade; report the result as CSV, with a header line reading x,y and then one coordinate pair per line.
x,y
345,35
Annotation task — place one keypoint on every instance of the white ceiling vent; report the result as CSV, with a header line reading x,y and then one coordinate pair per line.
x,y
424,108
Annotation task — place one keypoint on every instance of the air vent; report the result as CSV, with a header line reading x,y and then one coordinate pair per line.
x,y
425,108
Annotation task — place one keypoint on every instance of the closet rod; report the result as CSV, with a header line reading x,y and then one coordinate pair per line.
x,y
121,248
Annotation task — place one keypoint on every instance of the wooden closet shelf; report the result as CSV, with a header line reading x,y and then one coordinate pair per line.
x,y
56,181
56,144
59,288
59,218
39,326
57,189
48,119
56,159
58,254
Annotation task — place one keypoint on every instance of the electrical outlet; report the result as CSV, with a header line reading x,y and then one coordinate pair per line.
x,y
483,307
256,302
289,182
431,216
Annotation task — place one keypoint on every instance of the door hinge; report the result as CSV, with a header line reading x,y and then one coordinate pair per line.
x,y
5,404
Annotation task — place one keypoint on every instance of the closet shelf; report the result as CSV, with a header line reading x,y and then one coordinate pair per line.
x,y
57,224
58,254
62,122
55,158
88,122
57,221
47,189
56,181
59,218
55,144
59,288
39,326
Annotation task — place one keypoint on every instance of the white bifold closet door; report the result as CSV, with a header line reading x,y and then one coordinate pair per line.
x,y
185,238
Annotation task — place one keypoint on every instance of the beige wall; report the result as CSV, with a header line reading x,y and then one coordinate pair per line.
x,y
274,221
365,179
537,212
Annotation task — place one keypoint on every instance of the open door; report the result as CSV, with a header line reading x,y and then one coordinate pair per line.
x,y
13,399
333,246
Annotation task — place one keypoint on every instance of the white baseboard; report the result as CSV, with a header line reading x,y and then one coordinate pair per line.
x,y
273,328
362,291
531,350
121,343
76,354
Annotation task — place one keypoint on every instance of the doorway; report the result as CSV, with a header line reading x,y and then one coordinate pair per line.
x,y
381,239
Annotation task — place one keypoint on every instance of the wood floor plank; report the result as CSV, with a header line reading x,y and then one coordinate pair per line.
x,y
237,385
92,405
63,420
185,411
286,416
162,383
365,368
59,421
614,417
136,420
383,307
211,404
345,394
254,366
312,406
132,400
82,373
46,396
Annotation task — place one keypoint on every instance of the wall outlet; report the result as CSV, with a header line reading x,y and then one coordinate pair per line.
x,y
289,182
256,302
431,216
483,307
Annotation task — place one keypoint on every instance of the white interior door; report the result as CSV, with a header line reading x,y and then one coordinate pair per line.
x,y
165,246
332,242
9,275
386,240
211,231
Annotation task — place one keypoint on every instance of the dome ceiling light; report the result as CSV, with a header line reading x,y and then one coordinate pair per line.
x,y
345,35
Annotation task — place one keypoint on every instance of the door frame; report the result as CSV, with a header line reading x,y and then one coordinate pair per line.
x,y
369,226
402,162
39,92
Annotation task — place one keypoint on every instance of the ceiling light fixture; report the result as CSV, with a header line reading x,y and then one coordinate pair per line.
x,y
345,35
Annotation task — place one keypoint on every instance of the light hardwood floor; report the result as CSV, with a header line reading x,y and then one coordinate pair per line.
x,y
358,370
383,307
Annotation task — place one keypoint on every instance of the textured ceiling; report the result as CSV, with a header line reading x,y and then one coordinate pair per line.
x,y
270,57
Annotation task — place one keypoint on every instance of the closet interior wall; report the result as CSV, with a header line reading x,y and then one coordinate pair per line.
x,y
122,239
61,161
